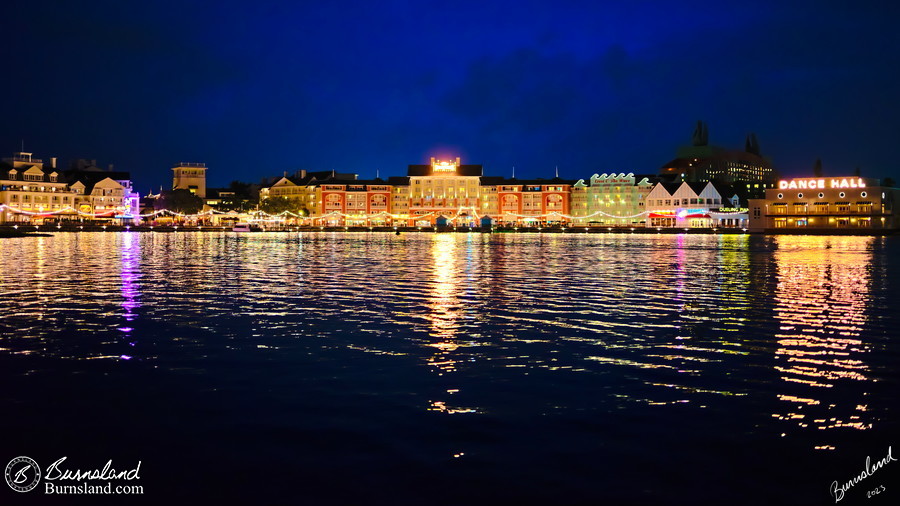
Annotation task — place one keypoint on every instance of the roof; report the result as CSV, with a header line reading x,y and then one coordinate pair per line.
x,y
398,180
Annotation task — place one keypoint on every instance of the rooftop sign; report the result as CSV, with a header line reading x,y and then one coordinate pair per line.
x,y
821,183
439,166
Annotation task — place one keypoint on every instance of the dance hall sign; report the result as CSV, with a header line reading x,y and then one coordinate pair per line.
x,y
821,183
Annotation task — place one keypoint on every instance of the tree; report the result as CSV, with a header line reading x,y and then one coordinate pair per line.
x,y
817,169
856,172
278,205
889,182
181,201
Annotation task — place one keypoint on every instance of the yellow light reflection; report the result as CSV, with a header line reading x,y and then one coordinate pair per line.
x,y
443,302
822,291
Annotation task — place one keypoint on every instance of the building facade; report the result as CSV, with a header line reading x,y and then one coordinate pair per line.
x,y
832,203
32,192
191,177
611,200
695,205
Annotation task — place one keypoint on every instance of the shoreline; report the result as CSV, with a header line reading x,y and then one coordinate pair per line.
x,y
9,231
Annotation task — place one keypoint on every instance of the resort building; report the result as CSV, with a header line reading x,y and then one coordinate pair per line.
x,y
826,203
354,203
526,202
31,191
611,200
695,205
191,177
103,195
444,189
441,192
34,192
701,162
305,187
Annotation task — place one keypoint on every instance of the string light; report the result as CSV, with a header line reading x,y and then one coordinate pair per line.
x,y
335,214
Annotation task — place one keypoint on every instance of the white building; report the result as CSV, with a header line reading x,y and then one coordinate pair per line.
x,y
694,205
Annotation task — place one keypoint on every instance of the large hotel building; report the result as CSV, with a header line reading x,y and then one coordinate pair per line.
x,y
441,192
447,192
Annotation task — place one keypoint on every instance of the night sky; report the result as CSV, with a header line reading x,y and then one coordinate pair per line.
x,y
257,88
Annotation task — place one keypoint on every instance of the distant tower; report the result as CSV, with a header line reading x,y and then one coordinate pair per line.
x,y
752,145
191,177
701,135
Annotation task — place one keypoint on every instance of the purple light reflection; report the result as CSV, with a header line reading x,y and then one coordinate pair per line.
x,y
130,273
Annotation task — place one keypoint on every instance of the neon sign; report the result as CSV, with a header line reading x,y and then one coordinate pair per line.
x,y
820,183
440,166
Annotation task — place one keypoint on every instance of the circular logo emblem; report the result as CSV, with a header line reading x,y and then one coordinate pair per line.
x,y
22,474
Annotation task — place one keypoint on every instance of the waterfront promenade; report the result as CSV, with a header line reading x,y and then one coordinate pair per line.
x,y
7,230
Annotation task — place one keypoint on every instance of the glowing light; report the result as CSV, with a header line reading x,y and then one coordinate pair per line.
x,y
820,183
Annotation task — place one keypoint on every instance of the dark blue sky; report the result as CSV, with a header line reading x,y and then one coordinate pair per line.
x,y
257,88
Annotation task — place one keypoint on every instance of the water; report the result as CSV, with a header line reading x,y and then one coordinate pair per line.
x,y
446,368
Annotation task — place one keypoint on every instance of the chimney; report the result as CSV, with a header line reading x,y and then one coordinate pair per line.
x,y
110,167
53,162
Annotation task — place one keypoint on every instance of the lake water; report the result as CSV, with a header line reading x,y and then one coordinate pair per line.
x,y
315,368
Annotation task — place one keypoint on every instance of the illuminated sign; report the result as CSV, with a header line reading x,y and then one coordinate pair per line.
x,y
821,183
733,209
439,166
692,213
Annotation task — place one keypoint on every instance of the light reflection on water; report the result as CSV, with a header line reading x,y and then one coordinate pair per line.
x,y
821,301
616,321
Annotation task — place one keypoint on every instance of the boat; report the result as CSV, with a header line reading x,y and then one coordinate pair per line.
x,y
246,227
